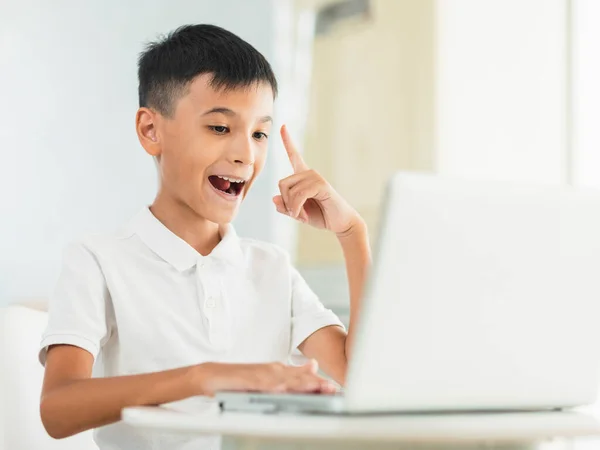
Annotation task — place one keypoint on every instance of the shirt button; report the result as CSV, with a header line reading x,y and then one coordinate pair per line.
x,y
210,302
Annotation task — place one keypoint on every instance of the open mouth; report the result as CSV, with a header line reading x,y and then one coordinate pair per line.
x,y
228,185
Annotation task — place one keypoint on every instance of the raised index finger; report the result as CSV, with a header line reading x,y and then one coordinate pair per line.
x,y
298,163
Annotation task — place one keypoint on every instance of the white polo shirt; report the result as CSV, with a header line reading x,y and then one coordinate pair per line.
x,y
143,300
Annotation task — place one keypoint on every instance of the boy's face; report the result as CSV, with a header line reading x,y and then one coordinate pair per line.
x,y
212,147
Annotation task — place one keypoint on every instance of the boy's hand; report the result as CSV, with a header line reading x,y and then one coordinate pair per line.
x,y
274,377
306,196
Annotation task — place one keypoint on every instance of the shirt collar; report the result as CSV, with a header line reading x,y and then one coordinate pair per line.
x,y
179,253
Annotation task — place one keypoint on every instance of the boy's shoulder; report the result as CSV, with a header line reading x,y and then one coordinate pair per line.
x,y
101,242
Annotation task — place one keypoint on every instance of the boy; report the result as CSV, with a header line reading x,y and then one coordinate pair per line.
x,y
174,304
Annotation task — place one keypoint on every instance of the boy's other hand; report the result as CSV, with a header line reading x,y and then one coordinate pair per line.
x,y
273,377
306,196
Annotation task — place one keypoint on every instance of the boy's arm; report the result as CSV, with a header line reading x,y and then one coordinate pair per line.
x,y
306,196
73,402
331,346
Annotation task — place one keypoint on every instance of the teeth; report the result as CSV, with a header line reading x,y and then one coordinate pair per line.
x,y
233,180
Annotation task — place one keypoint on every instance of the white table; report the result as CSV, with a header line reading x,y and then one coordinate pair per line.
x,y
539,430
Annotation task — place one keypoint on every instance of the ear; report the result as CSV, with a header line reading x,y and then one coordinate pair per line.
x,y
146,128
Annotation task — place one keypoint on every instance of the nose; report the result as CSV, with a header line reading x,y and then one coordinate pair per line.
x,y
242,152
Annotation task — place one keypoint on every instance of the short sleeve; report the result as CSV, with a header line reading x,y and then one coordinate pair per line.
x,y
308,313
77,308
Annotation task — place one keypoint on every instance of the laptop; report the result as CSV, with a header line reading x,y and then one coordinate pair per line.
x,y
483,296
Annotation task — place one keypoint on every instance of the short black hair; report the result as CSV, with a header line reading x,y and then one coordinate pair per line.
x,y
167,66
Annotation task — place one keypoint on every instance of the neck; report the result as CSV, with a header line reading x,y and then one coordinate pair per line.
x,y
200,233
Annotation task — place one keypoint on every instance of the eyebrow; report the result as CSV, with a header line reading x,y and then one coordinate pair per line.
x,y
231,113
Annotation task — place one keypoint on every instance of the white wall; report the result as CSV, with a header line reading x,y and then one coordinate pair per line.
x,y
71,163
586,92
501,89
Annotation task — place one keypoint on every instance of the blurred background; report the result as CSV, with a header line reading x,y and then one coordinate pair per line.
x,y
498,89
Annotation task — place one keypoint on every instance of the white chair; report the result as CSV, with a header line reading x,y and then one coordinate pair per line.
x,y
21,377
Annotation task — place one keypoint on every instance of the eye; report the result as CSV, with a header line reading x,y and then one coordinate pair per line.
x,y
219,129
259,136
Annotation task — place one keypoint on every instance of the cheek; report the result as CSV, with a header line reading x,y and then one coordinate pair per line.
x,y
190,149
259,163
183,162
260,159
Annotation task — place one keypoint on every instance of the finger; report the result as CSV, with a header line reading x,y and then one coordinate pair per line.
x,y
309,368
286,184
279,205
312,366
296,160
304,383
279,388
303,217
298,194
327,387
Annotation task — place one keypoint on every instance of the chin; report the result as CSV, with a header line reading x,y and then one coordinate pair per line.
x,y
221,218
216,213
